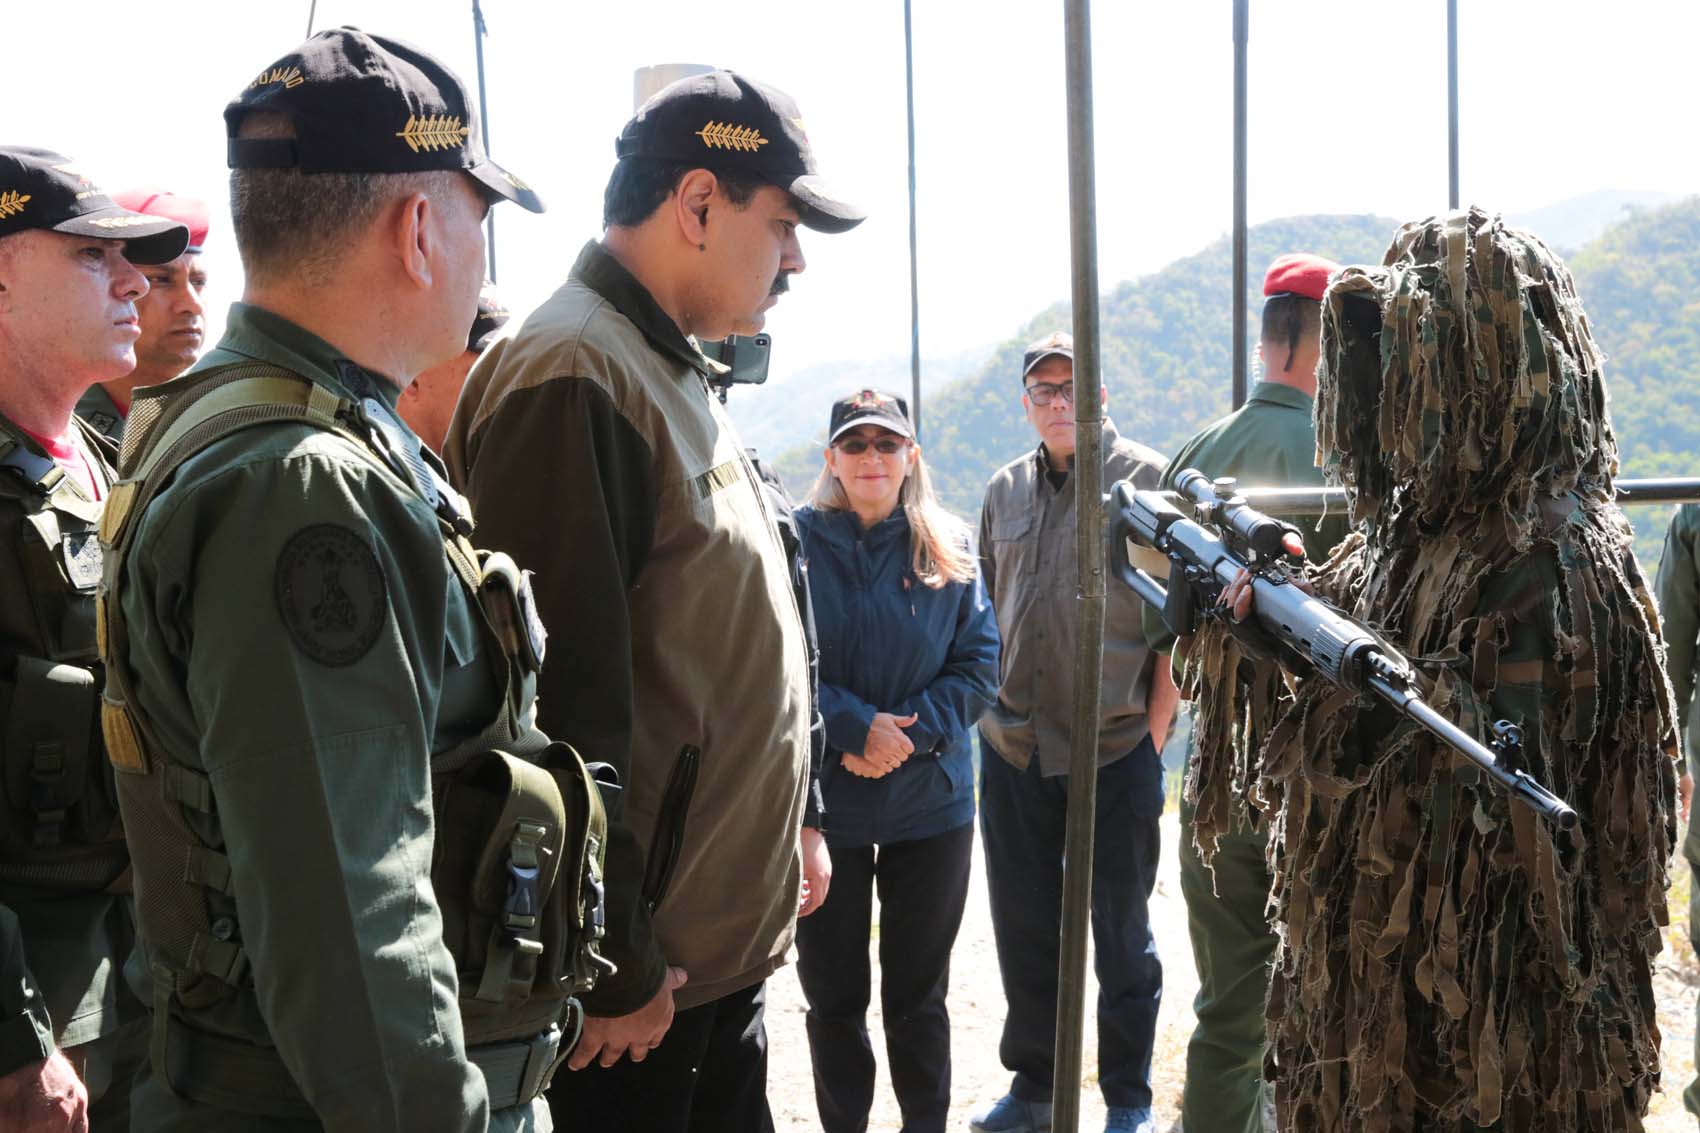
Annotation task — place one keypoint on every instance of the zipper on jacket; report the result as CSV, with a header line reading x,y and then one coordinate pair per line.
x,y
668,840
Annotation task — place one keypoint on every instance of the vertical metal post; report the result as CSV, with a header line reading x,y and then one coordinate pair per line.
x,y
914,266
1452,103
479,31
1242,19
1088,480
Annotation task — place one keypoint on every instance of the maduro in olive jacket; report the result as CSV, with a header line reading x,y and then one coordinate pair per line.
x,y
593,452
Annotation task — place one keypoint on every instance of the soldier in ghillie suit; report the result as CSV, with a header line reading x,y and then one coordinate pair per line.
x,y
1449,961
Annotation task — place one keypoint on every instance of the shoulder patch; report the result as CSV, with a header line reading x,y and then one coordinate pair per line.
x,y
331,593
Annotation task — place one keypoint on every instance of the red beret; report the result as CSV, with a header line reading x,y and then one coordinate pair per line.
x,y
1298,273
184,210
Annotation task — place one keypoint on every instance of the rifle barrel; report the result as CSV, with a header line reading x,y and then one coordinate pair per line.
x,y
1314,501
1517,783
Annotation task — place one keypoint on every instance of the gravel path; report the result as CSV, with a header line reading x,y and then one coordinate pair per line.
x,y
977,1008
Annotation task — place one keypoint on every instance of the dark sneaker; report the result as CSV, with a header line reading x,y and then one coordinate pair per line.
x,y
1009,1114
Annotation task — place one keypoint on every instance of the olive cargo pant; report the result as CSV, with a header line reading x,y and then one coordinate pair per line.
x,y
1232,947
1691,851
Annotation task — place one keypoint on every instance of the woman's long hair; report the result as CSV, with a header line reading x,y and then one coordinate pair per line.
x,y
941,551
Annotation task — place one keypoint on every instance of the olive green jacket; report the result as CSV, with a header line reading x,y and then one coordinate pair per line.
x,y
317,750
60,949
1678,589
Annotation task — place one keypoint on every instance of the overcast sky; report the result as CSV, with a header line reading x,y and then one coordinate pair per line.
x,y
1347,112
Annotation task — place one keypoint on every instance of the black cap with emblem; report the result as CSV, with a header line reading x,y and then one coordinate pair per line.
x,y
43,189
365,103
722,120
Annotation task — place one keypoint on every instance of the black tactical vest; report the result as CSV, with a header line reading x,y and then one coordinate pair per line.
x,y
60,830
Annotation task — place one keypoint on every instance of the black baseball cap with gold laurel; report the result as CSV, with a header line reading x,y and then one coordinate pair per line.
x,y
43,189
365,103
721,120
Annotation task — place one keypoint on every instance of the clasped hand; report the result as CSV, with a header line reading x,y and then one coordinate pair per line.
x,y
885,749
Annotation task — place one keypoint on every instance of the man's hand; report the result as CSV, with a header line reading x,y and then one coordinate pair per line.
x,y
1685,792
44,1097
887,747
607,1037
817,871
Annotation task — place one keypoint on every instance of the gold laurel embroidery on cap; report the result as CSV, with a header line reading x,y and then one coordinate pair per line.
x,y
290,77
432,132
12,203
724,135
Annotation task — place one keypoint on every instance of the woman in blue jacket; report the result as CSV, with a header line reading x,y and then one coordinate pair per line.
x,y
908,662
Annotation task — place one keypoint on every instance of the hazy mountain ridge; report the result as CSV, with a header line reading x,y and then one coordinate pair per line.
x,y
1166,347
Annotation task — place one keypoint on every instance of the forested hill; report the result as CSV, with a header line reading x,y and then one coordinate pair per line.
x,y
1640,282
1166,358
1166,351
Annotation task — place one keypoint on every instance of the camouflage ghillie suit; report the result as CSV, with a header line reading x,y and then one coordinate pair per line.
x,y
1447,960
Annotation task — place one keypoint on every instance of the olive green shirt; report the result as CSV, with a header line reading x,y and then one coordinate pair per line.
x,y
1029,566
1678,588
1269,442
318,760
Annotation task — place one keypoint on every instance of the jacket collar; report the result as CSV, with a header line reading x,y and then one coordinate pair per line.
x,y
598,270
842,529
256,334
1274,393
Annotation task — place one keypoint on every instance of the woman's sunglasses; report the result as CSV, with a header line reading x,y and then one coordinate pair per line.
x,y
885,446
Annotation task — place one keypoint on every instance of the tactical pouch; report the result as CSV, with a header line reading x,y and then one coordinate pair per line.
x,y
61,816
517,869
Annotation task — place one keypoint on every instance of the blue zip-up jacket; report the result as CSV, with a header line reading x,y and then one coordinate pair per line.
x,y
889,643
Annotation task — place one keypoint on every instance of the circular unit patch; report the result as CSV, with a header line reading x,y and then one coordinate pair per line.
x,y
331,593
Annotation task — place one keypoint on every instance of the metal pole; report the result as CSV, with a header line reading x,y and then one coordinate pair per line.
x,y
914,268
1241,33
1452,103
479,31
312,14
1089,548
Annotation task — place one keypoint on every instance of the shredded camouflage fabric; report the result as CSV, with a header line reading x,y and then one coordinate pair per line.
x,y
1447,961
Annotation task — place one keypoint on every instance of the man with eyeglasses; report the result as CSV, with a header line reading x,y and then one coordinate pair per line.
x,y
1028,563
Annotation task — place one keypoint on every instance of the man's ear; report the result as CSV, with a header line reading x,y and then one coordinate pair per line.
x,y
691,201
411,237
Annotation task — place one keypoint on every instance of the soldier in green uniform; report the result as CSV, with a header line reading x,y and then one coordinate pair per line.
x,y
1270,442
68,292
297,648
170,313
1678,588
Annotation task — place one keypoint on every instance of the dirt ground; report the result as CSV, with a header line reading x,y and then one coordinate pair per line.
x,y
976,1009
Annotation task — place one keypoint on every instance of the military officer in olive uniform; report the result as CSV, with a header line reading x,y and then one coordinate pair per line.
x,y
68,290
1270,441
296,643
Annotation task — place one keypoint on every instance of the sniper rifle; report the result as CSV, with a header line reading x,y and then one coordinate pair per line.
x,y
1208,553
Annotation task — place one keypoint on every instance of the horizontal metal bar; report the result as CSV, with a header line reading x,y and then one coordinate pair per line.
x,y
1313,501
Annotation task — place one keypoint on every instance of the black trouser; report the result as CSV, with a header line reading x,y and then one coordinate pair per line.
x,y
708,1074
923,886
1023,816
